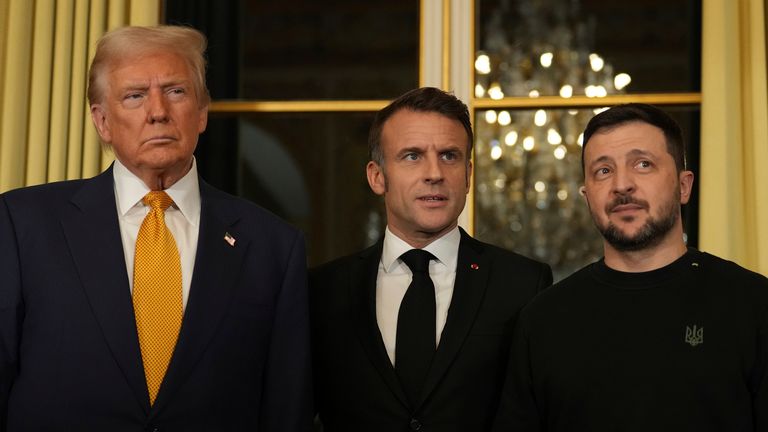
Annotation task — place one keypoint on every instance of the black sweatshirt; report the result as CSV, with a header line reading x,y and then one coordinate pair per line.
x,y
680,348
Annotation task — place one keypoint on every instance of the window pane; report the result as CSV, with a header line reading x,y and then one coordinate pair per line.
x,y
527,178
306,49
579,47
307,168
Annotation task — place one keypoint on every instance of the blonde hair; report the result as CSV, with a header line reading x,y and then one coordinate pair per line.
x,y
126,42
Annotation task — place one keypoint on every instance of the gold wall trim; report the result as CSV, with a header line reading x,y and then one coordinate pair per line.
x,y
446,31
584,101
224,106
422,58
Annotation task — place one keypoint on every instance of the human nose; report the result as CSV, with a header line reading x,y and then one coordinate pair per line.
x,y
157,109
623,182
434,170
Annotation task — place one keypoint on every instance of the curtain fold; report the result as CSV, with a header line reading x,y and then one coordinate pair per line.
x,y
45,48
734,136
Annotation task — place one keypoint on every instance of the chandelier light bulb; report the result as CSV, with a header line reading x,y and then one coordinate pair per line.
x,y
528,143
511,138
533,93
504,118
600,91
540,186
553,137
560,152
495,92
495,152
490,117
479,91
580,140
566,91
540,118
596,62
483,64
621,80
546,59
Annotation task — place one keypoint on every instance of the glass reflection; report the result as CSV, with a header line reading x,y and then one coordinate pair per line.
x,y
308,168
527,178
586,47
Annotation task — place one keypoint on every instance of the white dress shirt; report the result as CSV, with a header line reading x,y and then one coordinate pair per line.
x,y
182,218
394,276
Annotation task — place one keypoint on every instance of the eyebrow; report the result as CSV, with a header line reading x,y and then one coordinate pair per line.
x,y
143,85
633,152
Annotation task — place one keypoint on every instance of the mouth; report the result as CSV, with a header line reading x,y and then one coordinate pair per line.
x,y
626,208
160,139
433,198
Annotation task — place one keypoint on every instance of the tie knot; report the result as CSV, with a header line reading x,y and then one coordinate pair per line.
x,y
417,260
158,200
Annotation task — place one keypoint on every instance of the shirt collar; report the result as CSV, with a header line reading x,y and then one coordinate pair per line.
x,y
445,249
185,193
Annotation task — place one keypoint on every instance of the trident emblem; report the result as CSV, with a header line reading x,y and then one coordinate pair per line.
x,y
694,336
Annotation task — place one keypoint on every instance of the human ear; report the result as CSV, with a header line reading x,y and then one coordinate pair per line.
x,y
376,180
99,118
686,186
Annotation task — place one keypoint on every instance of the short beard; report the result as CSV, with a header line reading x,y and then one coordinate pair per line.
x,y
650,235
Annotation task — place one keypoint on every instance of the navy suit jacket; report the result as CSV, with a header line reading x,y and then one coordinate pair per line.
x,y
357,388
69,352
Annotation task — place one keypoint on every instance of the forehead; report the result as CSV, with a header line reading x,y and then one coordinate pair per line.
x,y
150,65
407,128
624,139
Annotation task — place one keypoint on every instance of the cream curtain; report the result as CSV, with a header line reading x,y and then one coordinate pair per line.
x,y
734,133
45,47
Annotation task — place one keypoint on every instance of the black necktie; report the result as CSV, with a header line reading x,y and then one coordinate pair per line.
x,y
415,339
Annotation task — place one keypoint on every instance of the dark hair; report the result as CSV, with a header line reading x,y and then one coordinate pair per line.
x,y
424,99
638,112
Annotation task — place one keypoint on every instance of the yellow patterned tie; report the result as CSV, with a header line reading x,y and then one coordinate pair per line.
x,y
156,291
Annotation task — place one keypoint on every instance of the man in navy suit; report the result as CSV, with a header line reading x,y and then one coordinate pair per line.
x,y
71,357
400,345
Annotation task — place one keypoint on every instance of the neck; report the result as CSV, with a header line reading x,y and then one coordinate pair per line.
x,y
421,239
652,258
161,179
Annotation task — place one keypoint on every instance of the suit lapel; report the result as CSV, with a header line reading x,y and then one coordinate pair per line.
x,y
92,231
472,270
363,293
217,265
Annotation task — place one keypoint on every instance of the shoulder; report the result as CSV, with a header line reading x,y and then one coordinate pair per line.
x,y
723,269
42,195
250,216
341,266
561,297
731,281
35,204
504,260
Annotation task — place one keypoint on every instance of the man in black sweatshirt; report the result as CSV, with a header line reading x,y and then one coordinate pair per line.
x,y
655,336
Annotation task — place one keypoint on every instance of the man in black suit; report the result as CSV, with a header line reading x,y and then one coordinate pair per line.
x,y
413,332
143,298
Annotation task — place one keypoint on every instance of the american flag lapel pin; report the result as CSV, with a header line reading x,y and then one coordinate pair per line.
x,y
229,239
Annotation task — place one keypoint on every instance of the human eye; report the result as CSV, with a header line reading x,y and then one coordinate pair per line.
x,y
644,164
411,156
176,92
133,99
602,172
450,155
